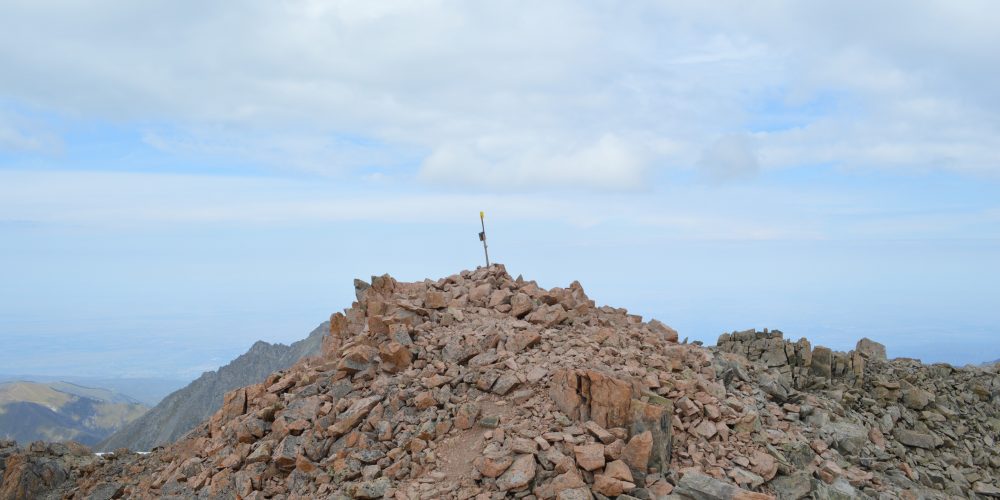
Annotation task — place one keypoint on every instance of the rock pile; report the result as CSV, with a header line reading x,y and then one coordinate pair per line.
x,y
484,386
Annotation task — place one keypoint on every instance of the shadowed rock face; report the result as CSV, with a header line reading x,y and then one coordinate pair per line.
x,y
184,409
445,389
39,469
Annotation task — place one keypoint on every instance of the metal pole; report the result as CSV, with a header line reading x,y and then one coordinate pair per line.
x,y
482,237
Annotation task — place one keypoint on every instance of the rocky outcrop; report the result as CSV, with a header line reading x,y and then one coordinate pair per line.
x,y
40,469
800,363
917,430
184,409
480,385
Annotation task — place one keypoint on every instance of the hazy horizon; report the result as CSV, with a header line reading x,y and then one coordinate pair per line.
x,y
179,180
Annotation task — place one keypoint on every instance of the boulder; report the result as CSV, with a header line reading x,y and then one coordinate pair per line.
x,y
434,299
395,357
521,304
565,481
357,411
609,486
916,398
822,362
519,474
357,358
848,438
493,466
870,349
637,452
465,415
589,457
792,487
698,486
664,331
654,417
916,439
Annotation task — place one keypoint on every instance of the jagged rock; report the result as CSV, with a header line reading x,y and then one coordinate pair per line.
x,y
519,474
637,452
589,457
371,489
668,334
465,416
395,357
745,478
609,486
847,438
434,299
493,466
838,490
480,294
618,470
575,494
286,452
505,383
792,487
986,490
870,349
592,395
523,340
654,417
457,350
599,432
521,304
916,398
565,481
764,465
107,491
701,487
916,439
352,415
357,358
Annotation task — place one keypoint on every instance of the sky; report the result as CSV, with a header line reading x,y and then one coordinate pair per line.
x,y
179,179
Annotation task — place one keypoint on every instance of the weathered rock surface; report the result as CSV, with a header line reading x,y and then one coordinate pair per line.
x,y
40,470
875,427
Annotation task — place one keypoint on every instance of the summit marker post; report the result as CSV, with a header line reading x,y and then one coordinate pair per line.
x,y
482,236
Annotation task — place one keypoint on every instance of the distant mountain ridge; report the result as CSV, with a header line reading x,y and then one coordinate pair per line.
x,y
61,411
185,408
147,390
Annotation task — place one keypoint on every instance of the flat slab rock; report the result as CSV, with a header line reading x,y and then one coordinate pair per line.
x,y
699,486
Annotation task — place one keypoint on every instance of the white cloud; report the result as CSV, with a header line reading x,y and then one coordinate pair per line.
x,y
520,95
732,157
607,164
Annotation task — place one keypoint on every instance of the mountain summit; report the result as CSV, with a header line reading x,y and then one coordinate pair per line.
x,y
482,386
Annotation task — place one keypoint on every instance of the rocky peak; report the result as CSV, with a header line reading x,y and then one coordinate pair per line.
x,y
482,386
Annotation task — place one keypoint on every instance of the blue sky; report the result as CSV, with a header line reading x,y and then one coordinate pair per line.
x,y
179,179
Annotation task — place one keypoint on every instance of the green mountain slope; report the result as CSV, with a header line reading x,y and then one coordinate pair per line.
x,y
61,411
